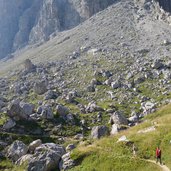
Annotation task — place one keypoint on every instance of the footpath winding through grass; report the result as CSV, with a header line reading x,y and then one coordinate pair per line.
x,y
106,154
163,167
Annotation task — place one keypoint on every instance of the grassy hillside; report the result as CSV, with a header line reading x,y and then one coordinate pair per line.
x,y
106,154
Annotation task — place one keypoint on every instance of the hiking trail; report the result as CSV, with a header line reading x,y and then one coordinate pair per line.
x,y
164,167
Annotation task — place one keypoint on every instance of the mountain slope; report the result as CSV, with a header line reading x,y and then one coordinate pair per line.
x,y
125,28
120,155
33,21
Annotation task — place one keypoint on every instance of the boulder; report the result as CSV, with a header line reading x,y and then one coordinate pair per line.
x,y
24,159
16,150
118,118
62,110
46,113
16,112
99,131
28,65
27,108
114,130
50,95
40,88
157,64
10,123
79,137
70,118
46,158
148,107
92,107
67,162
34,145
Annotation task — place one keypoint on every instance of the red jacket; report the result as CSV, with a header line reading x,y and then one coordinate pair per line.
x,y
158,152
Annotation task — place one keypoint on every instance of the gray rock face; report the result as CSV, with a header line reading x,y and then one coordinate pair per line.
x,y
99,131
16,150
35,20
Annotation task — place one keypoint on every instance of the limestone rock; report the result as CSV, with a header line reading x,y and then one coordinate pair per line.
x,y
34,145
99,131
40,88
9,124
118,118
16,150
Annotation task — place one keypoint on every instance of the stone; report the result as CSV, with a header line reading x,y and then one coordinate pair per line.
x,y
24,159
70,147
123,139
46,113
27,108
91,88
114,130
92,107
16,112
46,157
51,95
28,65
70,118
10,123
16,150
32,146
68,163
148,107
40,88
115,84
157,64
79,137
62,110
99,131
118,118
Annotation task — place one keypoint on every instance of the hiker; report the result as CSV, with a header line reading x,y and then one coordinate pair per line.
x,y
158,155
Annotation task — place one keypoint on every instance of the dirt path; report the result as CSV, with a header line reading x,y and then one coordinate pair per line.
x,y
164,167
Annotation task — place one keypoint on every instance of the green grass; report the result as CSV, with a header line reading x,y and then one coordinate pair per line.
x,y
106,154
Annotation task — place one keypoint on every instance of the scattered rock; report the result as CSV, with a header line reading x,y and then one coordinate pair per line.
x,y
68,163
16,112
118,118
40,88
16,150
62,110
10,123
70,147
99,131
123,139
34,145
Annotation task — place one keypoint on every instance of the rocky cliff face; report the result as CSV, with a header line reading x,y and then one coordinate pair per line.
x,y
31,21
